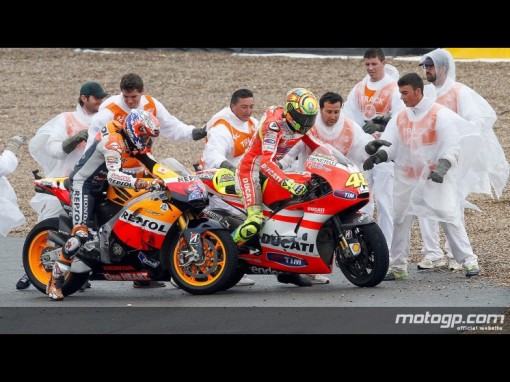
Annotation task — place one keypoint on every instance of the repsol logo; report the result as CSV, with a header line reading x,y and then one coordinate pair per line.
x,y
80,207
286,242
145,223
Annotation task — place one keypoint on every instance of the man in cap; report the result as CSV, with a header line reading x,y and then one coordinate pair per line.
x,y
58,145
490,169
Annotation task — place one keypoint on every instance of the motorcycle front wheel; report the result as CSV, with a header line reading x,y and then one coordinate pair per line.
x,y
211,271
369,267
39,255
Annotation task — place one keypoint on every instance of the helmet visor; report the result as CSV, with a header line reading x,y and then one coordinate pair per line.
x,y
147,140
304,121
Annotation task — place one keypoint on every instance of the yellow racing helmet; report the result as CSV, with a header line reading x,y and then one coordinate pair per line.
x,y
222,179
301,108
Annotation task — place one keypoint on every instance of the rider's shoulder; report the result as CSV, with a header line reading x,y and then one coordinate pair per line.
x,y
273,119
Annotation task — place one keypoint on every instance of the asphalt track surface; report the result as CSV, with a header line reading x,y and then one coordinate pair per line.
x,y
441,302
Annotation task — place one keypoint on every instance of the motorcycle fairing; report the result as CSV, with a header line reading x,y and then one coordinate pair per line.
x,y
54,186
144,224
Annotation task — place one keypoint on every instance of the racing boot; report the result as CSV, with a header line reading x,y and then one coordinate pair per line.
x,y
60,269
251,226
79,235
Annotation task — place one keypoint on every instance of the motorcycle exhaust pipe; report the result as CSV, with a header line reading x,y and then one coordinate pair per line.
x,y
54,237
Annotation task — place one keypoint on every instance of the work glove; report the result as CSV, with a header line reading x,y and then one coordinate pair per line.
x,y
199,133
437,175
382,119
294,188
378,157
15,143
372,146
69,144
371,127
229,166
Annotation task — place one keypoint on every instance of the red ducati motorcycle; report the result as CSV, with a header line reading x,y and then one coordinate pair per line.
x,y
307,234
138,235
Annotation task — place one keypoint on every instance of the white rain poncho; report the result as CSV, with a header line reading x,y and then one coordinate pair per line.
x,y
9,209
220,144
490,170
169,126
453,137
46,149
356,110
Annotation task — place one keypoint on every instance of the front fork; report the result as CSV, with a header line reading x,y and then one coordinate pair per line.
x,y
348,242
192,239
191,232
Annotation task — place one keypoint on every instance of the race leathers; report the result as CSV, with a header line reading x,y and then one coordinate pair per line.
x,y
273,139
107,160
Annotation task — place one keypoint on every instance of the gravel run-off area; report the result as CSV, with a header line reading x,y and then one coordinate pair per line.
x,y
39,83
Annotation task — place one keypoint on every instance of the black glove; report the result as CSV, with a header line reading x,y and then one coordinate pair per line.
x,y
382,119
437,175
372,146
378,157
70,143
15,143
371,127
199,133
226,164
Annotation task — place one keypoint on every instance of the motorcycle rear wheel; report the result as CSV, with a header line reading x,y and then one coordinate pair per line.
x,y
213,273
371,265
38,271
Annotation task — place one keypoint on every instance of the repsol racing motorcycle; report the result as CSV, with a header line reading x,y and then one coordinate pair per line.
x,y
307,234
138,235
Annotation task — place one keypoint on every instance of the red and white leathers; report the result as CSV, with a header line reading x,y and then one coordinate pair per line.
x,y
490,171
420,136
272,140
46,149
11,214
105,162
345,135
114,108
365,101
227,140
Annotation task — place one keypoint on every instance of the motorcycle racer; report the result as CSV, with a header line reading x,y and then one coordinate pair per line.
x,y
279,130
107,160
